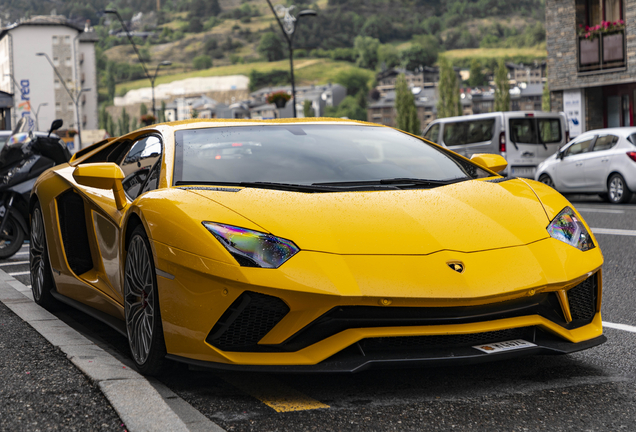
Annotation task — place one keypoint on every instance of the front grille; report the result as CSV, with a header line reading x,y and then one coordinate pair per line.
x,y
583,299
414,343
246,321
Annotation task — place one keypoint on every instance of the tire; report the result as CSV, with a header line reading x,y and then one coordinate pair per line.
x,y
141,306
15,238
547,180
42,282
617,190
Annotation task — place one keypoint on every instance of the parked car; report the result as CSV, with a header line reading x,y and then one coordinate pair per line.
x,y
523,138
600,162
312,245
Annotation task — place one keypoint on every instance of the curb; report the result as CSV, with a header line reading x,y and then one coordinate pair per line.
x,y
142,404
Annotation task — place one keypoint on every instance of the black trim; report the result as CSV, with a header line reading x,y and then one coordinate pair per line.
x,y
109,320
352,360
74,232
501,179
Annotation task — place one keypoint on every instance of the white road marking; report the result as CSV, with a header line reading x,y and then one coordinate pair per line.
x,y
593,210
20,273
13,263
21,253
612,231
625,327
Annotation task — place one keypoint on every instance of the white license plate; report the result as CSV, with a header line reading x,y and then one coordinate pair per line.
x,y
523,172
504,346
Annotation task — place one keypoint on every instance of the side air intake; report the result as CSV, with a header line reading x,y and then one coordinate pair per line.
x,y
583,299
246,321
70,207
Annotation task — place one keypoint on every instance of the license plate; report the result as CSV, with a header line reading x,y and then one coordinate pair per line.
x,y
504,346
523,172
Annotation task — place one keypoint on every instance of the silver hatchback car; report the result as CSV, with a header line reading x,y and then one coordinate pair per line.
x,y
600,162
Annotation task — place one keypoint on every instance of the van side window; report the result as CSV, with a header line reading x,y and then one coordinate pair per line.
x,y
468,132
433,133
549,130
532,130
523,131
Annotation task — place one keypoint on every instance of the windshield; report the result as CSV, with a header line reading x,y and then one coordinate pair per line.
x,y
311,154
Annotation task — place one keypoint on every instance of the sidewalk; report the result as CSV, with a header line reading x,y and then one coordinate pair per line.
x,y
40,389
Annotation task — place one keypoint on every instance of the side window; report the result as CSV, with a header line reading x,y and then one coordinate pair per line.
x,y
579,147
549,130
605,142
138,164
433,133
468,132
523,131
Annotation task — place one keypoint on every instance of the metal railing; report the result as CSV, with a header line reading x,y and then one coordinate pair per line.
x,y
603,52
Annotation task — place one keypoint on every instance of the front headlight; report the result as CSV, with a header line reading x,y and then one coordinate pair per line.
x,y
253,248
567,227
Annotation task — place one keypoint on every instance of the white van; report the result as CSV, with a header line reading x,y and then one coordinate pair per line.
x,y
523,138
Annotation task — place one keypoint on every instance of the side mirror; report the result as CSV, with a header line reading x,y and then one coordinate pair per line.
x,y
493,162
105,175
560,154
56,125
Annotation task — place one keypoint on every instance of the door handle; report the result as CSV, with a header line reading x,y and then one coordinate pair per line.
x,y
604,160
579,163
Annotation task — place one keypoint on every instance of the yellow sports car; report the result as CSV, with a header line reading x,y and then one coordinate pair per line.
x,y
312,245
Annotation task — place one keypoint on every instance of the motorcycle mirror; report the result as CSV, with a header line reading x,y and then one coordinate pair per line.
x,y
55,125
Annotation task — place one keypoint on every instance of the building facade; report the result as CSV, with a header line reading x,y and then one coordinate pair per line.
x,y
39,93
592,62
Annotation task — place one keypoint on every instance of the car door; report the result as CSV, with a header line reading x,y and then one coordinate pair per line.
x,y
570,171
139,161
597,164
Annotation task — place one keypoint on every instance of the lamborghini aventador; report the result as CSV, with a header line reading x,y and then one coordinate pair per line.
x,y
312,245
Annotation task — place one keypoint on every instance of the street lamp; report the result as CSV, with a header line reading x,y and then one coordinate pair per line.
x,y
74,97
152,84
37,111
164,63
288,26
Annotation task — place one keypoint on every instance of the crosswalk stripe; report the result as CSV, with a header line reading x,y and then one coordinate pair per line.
x,y
624,327
10,263
274,393
22,273
611,231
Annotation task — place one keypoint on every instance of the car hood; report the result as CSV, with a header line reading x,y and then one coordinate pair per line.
x,y
466,217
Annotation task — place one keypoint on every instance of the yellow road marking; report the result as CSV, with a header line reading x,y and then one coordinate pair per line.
x,y
274,393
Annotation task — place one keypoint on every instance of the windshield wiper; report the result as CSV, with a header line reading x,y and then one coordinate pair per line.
x,y
395,181
272,185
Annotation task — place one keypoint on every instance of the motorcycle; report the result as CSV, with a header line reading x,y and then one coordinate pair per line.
x,y
23,158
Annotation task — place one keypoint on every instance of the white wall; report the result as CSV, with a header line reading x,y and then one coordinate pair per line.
x,y
88,67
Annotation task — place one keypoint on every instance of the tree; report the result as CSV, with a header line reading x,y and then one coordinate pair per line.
x,y
378,27
477,78
271,47
502,88
354,80
308,109
448,104
423,52
349,108
110,80
388,56
202,62
407,119
545,98
123,123
367,50
162,112
143,109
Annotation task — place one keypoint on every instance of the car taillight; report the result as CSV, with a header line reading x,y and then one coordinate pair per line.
x,y
502,142
632,155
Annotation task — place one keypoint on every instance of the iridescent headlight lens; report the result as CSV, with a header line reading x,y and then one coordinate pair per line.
x,y
253,248
568,228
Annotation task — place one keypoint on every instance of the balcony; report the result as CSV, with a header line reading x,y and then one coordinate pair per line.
x,y
603,53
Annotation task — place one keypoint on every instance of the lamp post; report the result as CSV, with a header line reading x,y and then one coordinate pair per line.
x,y
152,85
74,97
37,112
151,79
288,26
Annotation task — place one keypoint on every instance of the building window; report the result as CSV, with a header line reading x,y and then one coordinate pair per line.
x,y
70,106
67,39
68,61
56,84
58,106
54,40
56,61
594,12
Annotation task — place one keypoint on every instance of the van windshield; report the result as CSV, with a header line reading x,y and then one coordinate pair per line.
x,y
532,130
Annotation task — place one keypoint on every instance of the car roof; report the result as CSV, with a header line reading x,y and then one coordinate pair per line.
x,y
621,131
206,123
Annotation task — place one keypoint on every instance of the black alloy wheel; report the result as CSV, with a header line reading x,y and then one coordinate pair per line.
x,y
141,306
12,238
547,180
617,190
42,282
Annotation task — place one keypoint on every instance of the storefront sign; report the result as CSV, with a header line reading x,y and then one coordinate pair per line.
x,y
574,111
24,106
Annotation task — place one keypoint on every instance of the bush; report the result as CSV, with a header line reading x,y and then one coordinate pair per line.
x,y
264,79
202,62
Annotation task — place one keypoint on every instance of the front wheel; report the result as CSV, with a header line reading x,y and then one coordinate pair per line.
x,y
12,238
141,306
618,192
41,275
546,180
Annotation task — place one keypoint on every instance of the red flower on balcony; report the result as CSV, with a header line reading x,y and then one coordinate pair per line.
x,y
603,28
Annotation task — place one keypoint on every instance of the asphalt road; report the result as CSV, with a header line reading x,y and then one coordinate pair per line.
x,y
590,390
